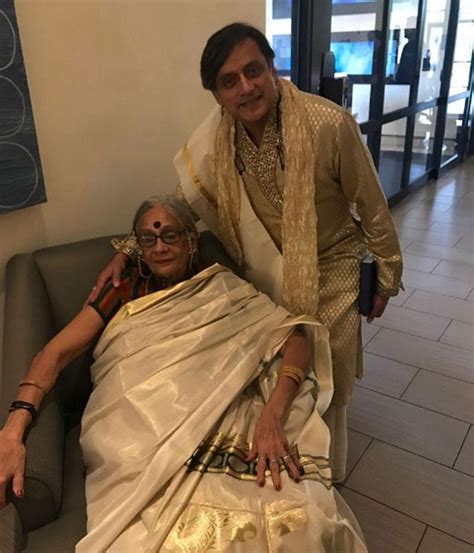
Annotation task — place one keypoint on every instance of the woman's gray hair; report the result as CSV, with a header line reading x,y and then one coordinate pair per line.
x,y
174,205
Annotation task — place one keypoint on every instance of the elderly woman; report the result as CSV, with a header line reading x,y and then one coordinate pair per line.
x,y
202,388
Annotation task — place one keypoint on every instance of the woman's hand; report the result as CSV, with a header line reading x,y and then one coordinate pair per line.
x,y
12,465
271,447
112,272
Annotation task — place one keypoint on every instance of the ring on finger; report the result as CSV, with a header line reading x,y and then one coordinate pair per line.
x,y
286,458
273,460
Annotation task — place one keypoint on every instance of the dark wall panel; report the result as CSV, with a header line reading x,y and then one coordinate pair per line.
x,y
21,177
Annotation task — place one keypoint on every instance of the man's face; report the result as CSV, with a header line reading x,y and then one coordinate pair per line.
x,y
246,85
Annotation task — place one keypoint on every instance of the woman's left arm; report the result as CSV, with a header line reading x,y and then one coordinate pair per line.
x,y
269,441
38,381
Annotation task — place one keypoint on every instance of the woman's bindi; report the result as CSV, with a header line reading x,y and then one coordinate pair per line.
x,y
156,224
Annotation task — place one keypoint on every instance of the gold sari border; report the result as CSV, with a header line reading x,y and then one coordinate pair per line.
x,y
226,455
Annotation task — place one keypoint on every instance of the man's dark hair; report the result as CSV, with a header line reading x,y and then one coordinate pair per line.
x,y
220,45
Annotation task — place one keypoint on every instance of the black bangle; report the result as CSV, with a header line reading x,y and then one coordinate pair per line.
x,y
24,405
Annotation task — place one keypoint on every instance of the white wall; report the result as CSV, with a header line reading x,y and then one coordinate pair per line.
x,y
115,90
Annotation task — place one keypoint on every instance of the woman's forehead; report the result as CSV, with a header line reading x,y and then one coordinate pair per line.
x,y
157,217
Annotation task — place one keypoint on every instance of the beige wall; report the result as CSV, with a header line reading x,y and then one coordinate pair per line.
x,y
115,91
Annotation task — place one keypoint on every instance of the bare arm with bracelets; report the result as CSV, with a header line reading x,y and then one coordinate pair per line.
x,y
38,381
269,441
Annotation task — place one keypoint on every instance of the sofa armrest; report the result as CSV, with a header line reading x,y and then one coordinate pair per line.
x,y
11,532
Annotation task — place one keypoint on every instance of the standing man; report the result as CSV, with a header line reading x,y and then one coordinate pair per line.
x,y
284,180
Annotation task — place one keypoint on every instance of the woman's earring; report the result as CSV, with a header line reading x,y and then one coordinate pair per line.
x,y
191,250
140,268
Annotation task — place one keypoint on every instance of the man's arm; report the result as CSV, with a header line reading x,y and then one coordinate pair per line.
x,y
127,252
361,186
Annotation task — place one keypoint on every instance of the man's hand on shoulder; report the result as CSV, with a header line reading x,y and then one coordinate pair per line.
x,y
112,272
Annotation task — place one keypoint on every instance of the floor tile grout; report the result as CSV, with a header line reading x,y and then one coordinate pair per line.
x,y
444,332
439,463
421,540
462,445
406,514
429,312
372,337
450,535
437,208
439,261
416,335
360,456
415,404
457,241
457,345
441,293
408,297
422,368
418,311
409,384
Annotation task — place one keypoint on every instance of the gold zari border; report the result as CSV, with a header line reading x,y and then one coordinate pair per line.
x,y
196,180
226,455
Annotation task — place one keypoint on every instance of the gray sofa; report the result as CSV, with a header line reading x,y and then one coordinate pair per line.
x,y
44,290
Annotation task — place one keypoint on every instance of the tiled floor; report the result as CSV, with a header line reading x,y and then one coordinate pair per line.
x,y
411,442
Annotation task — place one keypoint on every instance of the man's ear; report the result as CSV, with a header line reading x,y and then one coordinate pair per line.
x,y
216,96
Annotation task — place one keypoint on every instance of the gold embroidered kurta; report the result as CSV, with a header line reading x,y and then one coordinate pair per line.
x,y
352,215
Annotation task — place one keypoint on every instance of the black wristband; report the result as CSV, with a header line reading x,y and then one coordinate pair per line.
x,y
24,405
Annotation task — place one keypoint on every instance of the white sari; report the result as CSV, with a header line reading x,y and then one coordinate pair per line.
x,y
180,379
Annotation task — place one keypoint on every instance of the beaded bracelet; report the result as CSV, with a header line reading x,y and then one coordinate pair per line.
x,y
24,405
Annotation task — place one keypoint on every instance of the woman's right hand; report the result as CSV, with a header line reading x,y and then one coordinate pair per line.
x,y
12,465
112,272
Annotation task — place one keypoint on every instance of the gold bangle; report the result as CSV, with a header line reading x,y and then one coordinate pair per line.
x,y
32,383
295,373
293,377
